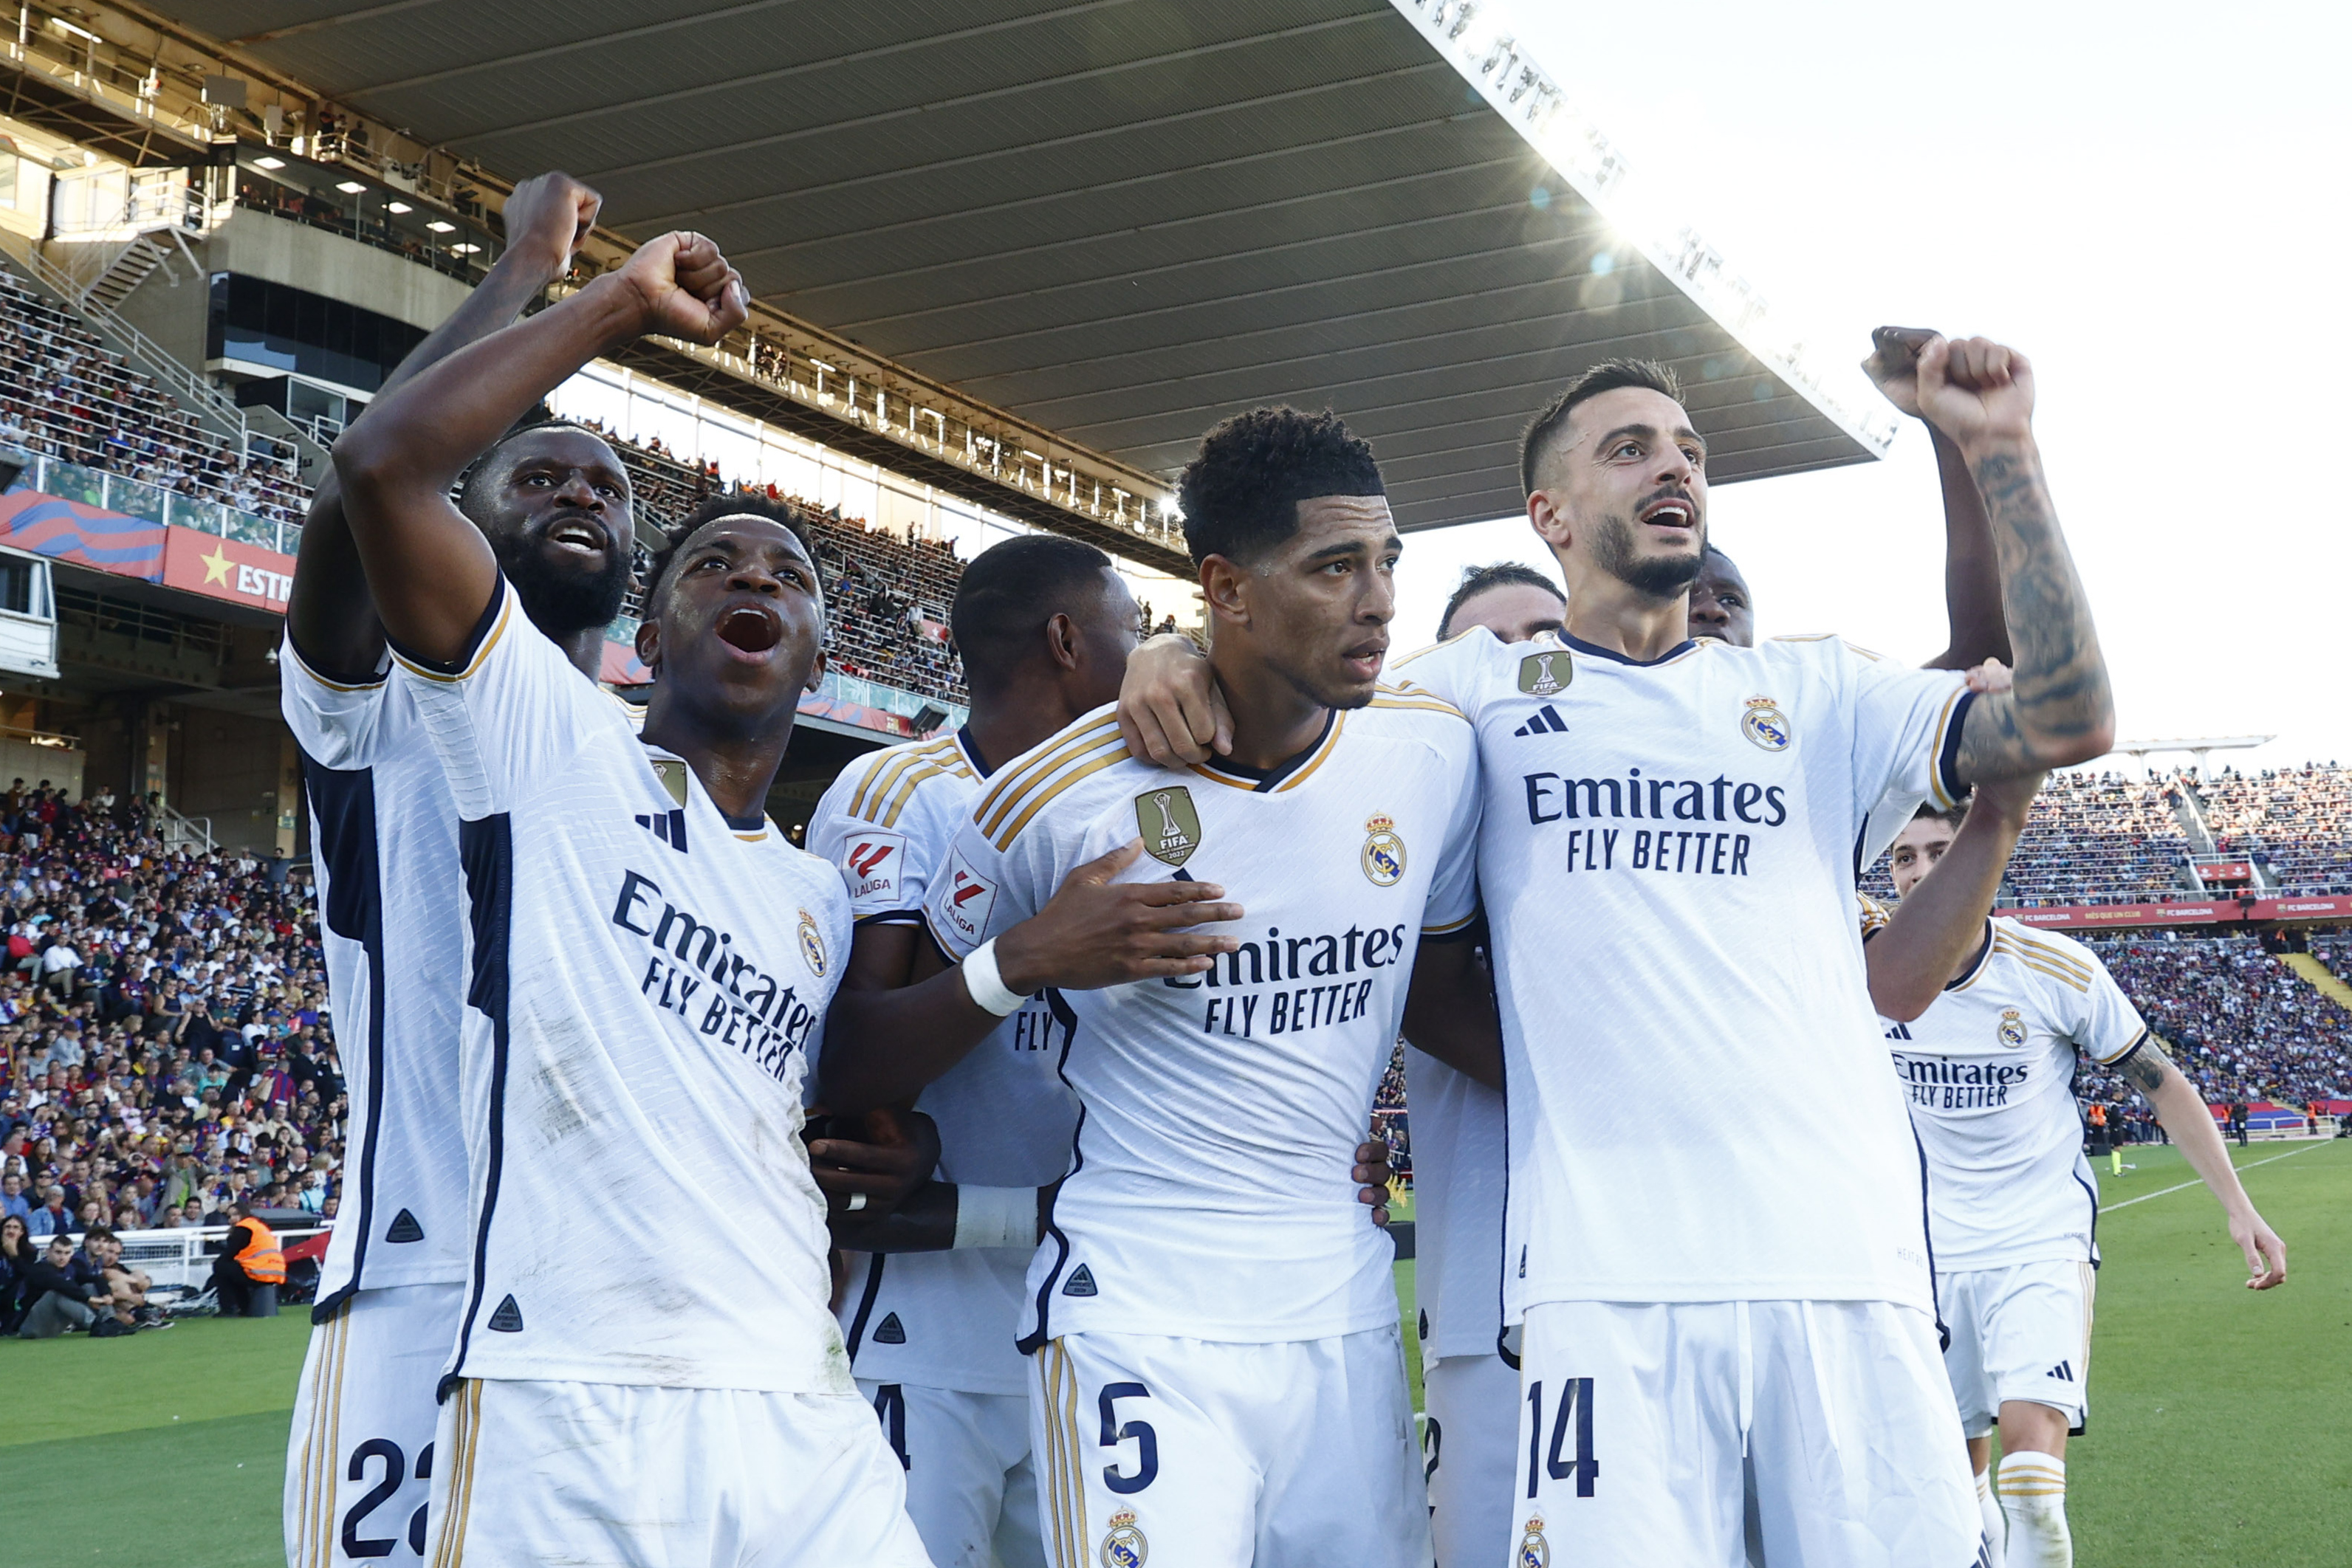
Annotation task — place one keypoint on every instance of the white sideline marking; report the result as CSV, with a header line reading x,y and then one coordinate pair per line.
x,y
2201,1182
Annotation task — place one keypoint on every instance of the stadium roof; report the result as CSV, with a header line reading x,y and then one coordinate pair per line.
x,y
1117,220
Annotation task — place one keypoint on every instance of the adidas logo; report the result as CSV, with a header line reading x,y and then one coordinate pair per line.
x,y
670,828
891,1331
507,1319
2063,1372
1546,722
404,1228
1082,1283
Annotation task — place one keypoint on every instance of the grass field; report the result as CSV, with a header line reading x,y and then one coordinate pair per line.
x,y
2220,1427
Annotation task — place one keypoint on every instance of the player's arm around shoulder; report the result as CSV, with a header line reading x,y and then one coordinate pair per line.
x,y
1449,1002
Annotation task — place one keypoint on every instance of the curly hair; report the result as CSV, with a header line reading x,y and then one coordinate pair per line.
x,y
784,513
1241,492
1609,375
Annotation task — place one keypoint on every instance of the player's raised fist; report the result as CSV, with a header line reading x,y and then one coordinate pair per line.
x,y
1894,364
551,214
684,289
1976,390
1095,932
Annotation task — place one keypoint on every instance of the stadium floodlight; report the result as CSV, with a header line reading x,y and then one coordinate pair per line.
x,y
464,249
350,187
272,164
398,207
438,226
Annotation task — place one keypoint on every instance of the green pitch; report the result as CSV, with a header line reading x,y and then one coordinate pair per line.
x,y
2217,1434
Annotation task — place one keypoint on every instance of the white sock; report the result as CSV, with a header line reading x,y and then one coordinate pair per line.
x,y
2032,1492
1996,1524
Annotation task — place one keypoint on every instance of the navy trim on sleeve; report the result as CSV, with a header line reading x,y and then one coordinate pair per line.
x,y
1947,760
456,666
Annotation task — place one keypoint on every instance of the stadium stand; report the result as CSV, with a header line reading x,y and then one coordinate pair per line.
x,y
164,1042
2242,1025
2289,821
65,395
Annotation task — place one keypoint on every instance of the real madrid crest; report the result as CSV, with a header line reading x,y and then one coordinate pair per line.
x,y
1765,725
1542,674
1383,850
2013,1027
1123,1544
1169,826
1534,1551
811,945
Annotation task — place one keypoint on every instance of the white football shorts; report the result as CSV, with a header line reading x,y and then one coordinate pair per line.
x,y
536,1473
970,1489
2019,1333
1212,1454
1471,1403
359,1458
1726,1434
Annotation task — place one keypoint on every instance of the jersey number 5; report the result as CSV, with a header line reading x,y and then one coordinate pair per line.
x,y
1575,1403
1115,1432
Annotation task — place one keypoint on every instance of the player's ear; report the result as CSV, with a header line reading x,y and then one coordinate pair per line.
x,y
816,670
1225,585
1062,640
1545,519
649,646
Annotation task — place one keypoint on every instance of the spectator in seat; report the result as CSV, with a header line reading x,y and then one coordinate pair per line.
x,y
52,1218
126,1287
250,1255
13,1202
18,1252
66,1293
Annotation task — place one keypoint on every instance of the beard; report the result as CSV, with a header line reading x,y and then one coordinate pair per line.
x,y
560,598
1659,577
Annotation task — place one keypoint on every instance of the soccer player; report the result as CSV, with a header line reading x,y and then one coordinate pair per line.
x,y
553,502
1987,1065
650,964
1044,626
1735,1330
1217,1373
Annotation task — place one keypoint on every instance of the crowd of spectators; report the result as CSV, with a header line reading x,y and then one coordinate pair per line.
x,y
64,394
2100,838
2289,821
2242,1025
165,1046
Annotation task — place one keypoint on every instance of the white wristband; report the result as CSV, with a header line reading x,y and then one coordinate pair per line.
x,y
986,986
996,1217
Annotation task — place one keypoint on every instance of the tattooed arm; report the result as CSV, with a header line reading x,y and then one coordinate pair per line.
x,y
2181,1111
2060,711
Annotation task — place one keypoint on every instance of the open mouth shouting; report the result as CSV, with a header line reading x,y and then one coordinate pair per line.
x,y
751,629
1672,513
579,535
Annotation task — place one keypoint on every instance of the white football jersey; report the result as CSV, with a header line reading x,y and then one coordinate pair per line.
x,y
1989,1072
1697,1109
392,918
945,1319
1209,1194
647,978
1458,1185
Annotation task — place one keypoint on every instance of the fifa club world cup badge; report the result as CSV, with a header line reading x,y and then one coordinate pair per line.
x,y
811,945
1765,725
1535,1552
672,774
1123,1544
1545,675
1169,826
1383,850
2013,1028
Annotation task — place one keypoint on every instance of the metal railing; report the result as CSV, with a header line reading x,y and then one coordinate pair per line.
x,y
174,377
184,832
135,499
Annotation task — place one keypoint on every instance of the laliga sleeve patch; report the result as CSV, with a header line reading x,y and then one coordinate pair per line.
x,y
873,864
968,899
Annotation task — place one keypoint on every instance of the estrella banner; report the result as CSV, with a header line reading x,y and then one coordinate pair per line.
x,y
227,568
